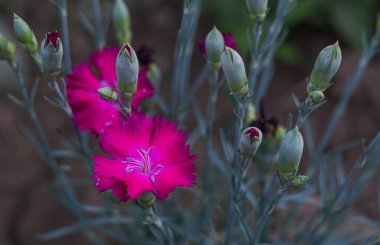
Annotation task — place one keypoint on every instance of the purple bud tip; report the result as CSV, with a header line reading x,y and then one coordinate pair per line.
x,y
229,41
253,133
145,55
53,38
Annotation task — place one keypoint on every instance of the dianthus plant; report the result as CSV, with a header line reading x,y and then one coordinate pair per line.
x,y
159,170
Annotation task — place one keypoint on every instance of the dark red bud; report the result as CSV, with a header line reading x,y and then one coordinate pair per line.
x,y
252,132
53,38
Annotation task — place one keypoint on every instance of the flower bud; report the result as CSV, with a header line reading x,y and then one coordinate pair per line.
x,y
234,71
154,75
107,93
7,49
290,154
299,181
122,22
24,34
146,200
257,9
51,54
251,114
214,47
266,157
127,70
325,67
110,196
250,141
316,96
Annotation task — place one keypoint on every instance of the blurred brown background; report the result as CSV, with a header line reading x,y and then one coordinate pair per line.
x,y
26,204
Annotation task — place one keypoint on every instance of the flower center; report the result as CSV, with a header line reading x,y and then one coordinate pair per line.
x,y
143,163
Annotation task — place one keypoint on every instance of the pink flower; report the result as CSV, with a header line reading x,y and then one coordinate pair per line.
x,y
90,112
145,154
229,41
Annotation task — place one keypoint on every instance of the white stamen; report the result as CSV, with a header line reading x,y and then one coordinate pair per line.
x,y
143,164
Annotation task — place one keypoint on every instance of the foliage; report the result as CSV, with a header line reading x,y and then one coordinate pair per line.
x,y
240,198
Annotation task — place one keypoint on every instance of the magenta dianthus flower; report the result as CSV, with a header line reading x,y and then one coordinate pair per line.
x,y
145,154
90,112
229,41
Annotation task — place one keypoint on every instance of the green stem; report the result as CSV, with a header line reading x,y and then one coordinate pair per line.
x,y
208,194
61,97
161,231
255,56
62,6
264,218
100,39
47,156
236,179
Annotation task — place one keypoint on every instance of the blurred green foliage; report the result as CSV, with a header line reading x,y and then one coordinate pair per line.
x,y
347,19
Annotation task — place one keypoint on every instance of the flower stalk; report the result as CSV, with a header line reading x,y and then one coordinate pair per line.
x,y
161,231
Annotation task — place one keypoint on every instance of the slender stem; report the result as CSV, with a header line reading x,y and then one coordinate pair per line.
x,y
61,97
255,56
82,146
183,52
62,6
342,104
350,87
37,58
73,203
62,100
329,209
270,208
209,193
29,107
125,107
237,163
200,78
161,103
164,233
100,39
210,118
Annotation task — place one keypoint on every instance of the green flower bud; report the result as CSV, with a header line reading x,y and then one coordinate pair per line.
x,y
268,153
214,47
251,114
107,93
122,22
316,96
127,71
257,9
290,154
234,71
51,54
325,67
299,181
250,141
24,34
154,75
7,49
108,194
146,200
